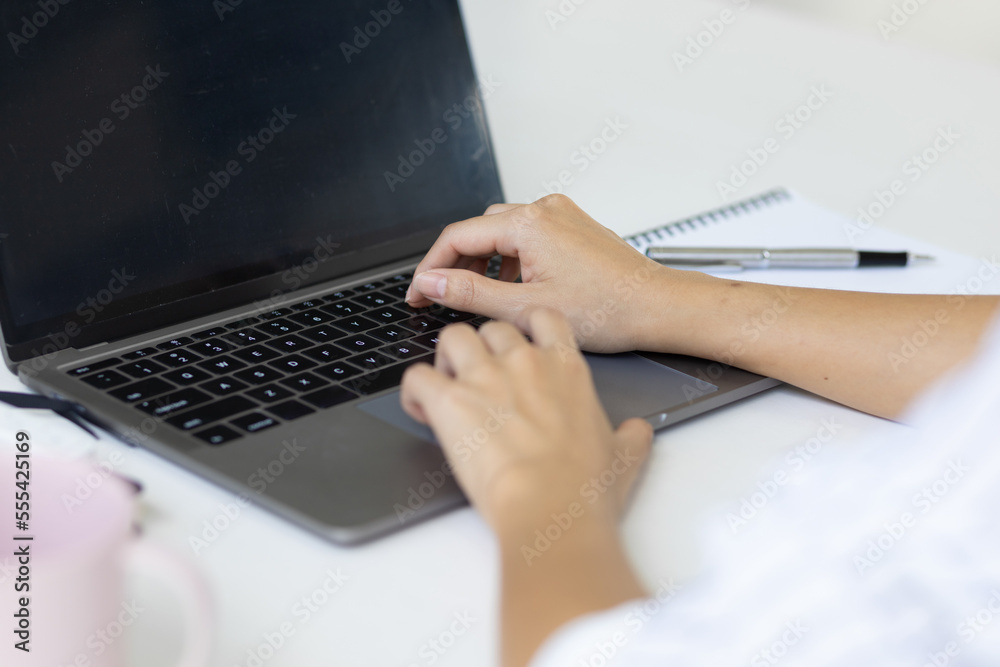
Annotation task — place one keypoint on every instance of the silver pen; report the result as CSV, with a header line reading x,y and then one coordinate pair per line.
x,y
737,259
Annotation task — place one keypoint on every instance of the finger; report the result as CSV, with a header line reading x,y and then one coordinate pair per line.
x,y
420,387
549,328
633,439
484,236
510,269
460,350
501,337
470,292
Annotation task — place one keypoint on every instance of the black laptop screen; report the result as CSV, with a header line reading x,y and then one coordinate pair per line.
x,y
156,151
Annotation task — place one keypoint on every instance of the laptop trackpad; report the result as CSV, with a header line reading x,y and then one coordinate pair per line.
x,y
628,386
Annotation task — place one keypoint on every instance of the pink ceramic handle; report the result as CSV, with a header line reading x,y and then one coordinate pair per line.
x,y
195,601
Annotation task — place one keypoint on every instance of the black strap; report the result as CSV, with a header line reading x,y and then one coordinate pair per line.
x,y
36,402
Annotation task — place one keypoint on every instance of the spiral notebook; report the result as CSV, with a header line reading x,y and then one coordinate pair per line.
x,y
783,219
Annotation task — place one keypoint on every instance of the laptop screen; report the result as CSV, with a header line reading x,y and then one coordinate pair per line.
x,y
159,151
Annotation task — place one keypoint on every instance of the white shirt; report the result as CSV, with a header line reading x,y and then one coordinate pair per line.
x,y
889,554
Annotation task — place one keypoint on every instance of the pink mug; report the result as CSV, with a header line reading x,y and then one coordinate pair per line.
x,y
63,565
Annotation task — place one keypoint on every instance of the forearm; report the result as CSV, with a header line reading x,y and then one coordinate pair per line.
x,y
557,574
874,352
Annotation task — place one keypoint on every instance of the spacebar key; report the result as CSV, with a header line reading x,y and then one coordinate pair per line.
x,y
227,407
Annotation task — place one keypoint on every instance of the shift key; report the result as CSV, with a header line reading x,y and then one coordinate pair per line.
x,y
213,412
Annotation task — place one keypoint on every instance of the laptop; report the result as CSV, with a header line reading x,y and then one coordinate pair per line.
x,y
210,213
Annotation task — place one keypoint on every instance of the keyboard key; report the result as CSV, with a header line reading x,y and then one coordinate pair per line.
x,y
142,368
218,435
222,365
371,360
187,376
407,350
175,343
276,313
143,390
105,379
279,327
256,355
270,393
373,300
290,344
139,354
213,347
255,422
322,334
310,318
176,401
246,337
290,410
337,371
329,397
423,324
244,323
428,340
343,309
387,315
400,278
340,294
398,291
223,386
308,305
213,412
90,368
359,343
383,378
391,334
368,287
260,375
208,333
324,354
449,316
293,364
178,358
304,382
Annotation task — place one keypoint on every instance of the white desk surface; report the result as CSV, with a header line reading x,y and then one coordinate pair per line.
x,y
685,131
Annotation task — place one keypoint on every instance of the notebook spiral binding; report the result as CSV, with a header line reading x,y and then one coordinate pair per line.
x,y
662,235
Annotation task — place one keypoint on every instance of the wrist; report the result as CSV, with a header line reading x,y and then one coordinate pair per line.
x,y
678,311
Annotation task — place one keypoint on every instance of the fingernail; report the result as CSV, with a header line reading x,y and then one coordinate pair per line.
x,y
430,284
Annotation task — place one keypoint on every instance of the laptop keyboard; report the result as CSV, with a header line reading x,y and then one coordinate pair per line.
x,y
247,376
